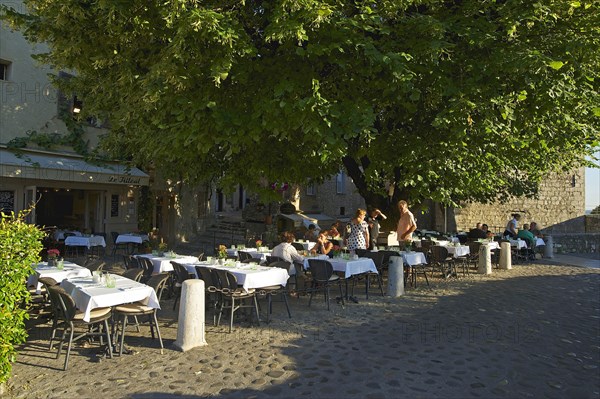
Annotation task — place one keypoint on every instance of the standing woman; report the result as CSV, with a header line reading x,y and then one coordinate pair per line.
x,y
357,231
511,227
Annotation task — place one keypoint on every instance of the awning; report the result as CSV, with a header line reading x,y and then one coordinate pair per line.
x,y
306,220
43,166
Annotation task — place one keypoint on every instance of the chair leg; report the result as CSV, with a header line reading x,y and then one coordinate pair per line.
x,y
158,332
380,281
367,286
256,309
68,347
341,293
108,339
123,326
286,304
327,295
312,292
231,315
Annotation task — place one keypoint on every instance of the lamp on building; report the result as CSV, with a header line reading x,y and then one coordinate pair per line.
x,y
77,105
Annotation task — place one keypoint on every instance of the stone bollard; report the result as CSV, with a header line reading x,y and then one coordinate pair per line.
x,y
505,256
549,248
190,329
485,260
396,277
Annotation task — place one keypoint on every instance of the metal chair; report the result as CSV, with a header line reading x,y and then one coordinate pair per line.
x,y
277,290
230,293
136,309
181,274
323,278
69,318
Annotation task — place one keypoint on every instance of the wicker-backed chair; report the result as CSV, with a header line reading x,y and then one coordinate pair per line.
x,y
181,274
211,286
148,267
244,256
134,274
136,309
230,293
273,290
69,318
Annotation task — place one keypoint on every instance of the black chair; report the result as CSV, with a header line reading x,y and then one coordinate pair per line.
x,y
230,293
211,287
134,274
245,256
323,278
131,262
298,246
442,260
116,247
273,290
473,257
70,318
95,264
181,275
136,309
418,269
272,259
147,265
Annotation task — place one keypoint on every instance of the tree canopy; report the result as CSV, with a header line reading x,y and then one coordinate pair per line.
x,y
445,100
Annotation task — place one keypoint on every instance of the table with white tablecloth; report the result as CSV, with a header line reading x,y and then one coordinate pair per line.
x,y
519,244
60,234
131,238
69,270
163,264
89,295
351,267
458,251
413,258
249,276
260,255
83,241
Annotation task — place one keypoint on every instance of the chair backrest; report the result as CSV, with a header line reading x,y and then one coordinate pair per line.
x,y
55,302
474,247
298,246
426,245
95,265
201,256
299,267
438,253
226,279
320,269
243,255
65,305
282,264
181,272
386,257
361,252
158,282
145,264
271,259
114,235
207,275
47,281
134,273
131,262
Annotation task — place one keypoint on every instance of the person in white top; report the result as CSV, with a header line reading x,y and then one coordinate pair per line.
x,y
286,250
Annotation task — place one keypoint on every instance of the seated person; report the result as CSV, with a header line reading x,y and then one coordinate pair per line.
x,y
533,227
527,236
311,233
286,250
488,233
334,231
477,233
324,246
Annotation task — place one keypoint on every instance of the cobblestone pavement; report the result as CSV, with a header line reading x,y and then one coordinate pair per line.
x,y
532,331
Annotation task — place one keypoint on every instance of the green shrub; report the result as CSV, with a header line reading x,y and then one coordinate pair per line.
x,y
20,245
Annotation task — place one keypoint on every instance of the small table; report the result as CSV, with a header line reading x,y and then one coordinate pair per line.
x,y
89,295
81,241
163,263
458,251
131,238
248,276
70,270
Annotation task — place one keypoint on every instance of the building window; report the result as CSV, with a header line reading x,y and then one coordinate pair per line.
x,y
340,183
4,69
311,189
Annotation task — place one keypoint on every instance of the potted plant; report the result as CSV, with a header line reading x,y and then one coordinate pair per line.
x,y
222,254
53,255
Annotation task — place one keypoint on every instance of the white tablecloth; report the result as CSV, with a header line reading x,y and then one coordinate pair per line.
x,y
413,258
539,242
247,275
163,263
131,238
459,251
89,295
520,244
70,270
95,241
493,245
259,255
60,234
352,267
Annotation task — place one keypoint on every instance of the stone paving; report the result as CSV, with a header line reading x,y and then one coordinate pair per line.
x,y
529,332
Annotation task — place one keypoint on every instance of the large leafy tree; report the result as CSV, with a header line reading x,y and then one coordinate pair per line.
x,y
445,100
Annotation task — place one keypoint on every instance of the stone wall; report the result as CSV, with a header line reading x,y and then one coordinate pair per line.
x,y
576,243
326,200
561,198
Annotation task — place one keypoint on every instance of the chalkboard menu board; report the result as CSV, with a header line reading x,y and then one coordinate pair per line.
x,y
7,201
114,205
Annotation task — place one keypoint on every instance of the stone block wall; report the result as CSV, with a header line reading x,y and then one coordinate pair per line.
x,y
561,199
327,201
567,243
